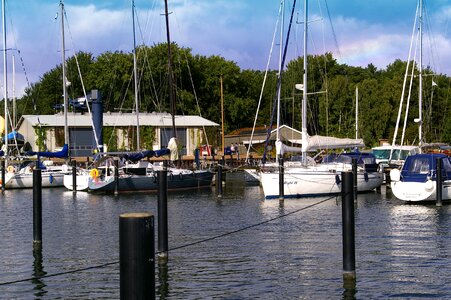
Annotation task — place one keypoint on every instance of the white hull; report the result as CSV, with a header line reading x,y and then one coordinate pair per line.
x,y
420,191
25,180
310,181
82,182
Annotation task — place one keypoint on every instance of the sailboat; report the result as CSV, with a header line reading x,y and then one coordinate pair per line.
x,y
21,176
307,178
417,180
138,175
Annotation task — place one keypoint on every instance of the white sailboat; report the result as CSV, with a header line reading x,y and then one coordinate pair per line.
x,y
417,180
138,175
307,178
21,176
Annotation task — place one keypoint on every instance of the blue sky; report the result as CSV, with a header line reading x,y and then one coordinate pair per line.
x,y
377,31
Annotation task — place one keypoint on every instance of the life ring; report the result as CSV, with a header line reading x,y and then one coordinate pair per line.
x,y
10,169
94,173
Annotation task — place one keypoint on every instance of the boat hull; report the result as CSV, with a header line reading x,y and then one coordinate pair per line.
x,y
420,191
307,183
130,182
81,184
25,180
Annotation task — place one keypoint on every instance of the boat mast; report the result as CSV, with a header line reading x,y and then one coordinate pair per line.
x,y
5,82
138,142
222,114
279,87
304,96
14,120
63,60
420,92
356,112
171,92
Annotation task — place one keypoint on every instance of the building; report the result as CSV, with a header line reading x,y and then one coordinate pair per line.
x,y
242,138
46,132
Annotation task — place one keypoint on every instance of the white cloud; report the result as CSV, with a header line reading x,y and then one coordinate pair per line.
x,y
240,31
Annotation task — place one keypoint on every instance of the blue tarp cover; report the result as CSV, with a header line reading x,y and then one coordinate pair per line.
x,y
134,157
418,167
64,153
14,135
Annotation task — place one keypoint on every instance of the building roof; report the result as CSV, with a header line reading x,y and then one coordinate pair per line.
x,y
248,131
118,119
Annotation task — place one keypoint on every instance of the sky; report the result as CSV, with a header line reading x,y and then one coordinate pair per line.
x,y
357,32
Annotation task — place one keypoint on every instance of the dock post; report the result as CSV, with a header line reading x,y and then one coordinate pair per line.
x,y
348,226
116,177
439,182
281,180
137,256
354,173
219,181
3,176
74,176
37,208
163,214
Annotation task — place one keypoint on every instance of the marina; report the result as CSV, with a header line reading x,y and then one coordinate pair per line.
x,y
293,251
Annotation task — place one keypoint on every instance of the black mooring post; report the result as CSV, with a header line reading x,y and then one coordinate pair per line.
x,y
348,226
165,165
354,176
439,182
163,214
219,180
3,176
74,176
116,177
136,256
37,207
281,179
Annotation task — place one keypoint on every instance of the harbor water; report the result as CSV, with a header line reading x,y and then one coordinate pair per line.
x,y
403,251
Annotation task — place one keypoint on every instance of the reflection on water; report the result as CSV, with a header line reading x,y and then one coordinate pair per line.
x,y
402,251
38,271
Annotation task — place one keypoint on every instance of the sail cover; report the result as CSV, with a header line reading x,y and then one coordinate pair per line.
x,y
318,142
134,157
58,154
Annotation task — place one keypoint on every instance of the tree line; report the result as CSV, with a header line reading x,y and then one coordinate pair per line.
x,y
331,92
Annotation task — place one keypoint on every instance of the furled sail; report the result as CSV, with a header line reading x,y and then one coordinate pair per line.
x,y
318,142
63,153
134,157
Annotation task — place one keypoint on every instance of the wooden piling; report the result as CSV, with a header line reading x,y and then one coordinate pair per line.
x,y
348,227
281,179
162,214
136,256
37,206
438,182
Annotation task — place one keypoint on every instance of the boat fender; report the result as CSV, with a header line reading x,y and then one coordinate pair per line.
x,y
10,169
112,170
337,179
429,186
94,173
154,177
171,176
51,178
181,176
395,175
365,175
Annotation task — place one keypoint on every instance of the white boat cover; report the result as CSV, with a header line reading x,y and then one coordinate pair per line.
x,y
318,142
